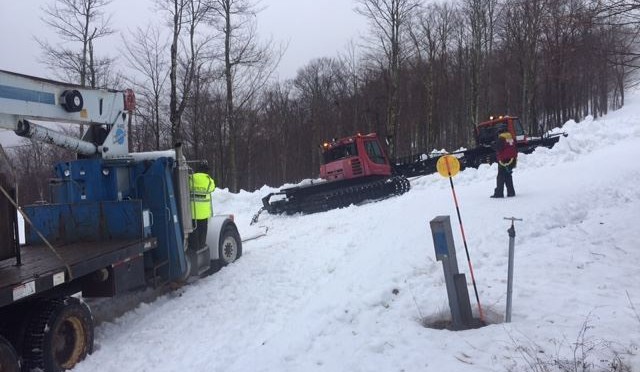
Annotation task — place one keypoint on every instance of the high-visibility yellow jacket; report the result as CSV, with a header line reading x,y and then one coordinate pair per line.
x,y
201,186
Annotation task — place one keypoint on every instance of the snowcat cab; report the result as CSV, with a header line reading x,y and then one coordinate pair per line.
x,y
354,169
487,131
353,157
486,134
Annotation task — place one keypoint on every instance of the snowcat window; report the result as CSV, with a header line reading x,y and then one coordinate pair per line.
x,y
339,152
374,151
517,125
488,134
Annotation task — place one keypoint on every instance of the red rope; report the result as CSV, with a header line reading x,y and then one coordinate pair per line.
x,y
464,239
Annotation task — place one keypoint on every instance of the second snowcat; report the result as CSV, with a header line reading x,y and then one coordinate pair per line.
x,y
486,133
354,169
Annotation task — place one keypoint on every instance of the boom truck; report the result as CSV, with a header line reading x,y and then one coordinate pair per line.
x,y
116,222
356,169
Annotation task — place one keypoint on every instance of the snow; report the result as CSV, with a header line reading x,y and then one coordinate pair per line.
x,y
350,289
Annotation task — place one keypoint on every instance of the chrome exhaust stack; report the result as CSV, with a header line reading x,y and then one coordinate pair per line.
x,y
183,191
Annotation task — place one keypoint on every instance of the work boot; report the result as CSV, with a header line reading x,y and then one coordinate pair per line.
x,y
497,193
511,194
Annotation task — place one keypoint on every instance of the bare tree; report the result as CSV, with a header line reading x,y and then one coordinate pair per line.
x,y
621,12
247,66
78,23
389,19
621,18
524,21
352,62
36,160
185,16
201,118
481,15
317,88
146,56
432,35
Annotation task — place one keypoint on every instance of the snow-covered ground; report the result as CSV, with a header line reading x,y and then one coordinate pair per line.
x,y
350,289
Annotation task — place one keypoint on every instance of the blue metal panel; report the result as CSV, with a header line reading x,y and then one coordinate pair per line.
x,y
154,185
440,243
29,95
68,223
84,181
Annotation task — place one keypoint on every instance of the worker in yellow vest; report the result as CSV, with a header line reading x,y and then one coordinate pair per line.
x,y
201,186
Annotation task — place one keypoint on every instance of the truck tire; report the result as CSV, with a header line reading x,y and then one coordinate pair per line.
x,y
59,336
230,247
9,361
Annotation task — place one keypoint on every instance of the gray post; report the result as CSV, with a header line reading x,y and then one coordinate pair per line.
x,y
455,282
512,238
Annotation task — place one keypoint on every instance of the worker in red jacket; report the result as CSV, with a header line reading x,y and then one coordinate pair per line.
x,y
507,155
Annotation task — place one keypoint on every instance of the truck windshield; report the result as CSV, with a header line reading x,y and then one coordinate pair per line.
x,y
339,152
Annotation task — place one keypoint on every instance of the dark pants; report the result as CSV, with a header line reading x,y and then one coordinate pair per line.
x,y
198,237
504,178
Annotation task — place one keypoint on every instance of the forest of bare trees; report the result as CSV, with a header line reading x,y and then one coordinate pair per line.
x,y
423,77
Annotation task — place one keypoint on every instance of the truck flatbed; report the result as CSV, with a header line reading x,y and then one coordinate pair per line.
x,y
42,270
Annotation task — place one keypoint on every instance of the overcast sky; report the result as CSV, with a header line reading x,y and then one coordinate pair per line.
x,y
312,28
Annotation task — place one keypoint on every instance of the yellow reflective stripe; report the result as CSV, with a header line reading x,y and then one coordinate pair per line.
x,y
507,163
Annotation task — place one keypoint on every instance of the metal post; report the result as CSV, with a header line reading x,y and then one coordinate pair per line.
x,y
456,283
16,232
512,238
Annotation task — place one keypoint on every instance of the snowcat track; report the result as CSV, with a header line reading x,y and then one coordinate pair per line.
x,y
341,197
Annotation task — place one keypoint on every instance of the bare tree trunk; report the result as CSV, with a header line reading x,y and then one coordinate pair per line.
x,y
229,116
175,117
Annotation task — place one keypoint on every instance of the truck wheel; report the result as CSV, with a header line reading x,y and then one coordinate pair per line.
x,y
230,247
8,357
59,336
